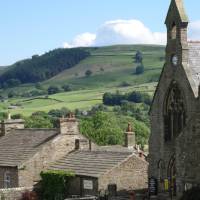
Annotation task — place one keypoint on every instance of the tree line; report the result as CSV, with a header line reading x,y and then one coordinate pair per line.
x,y
40,68
113,99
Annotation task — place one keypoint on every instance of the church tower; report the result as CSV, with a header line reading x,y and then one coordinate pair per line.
x,y
177,45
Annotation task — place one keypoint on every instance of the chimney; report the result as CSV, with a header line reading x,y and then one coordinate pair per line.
x,y
129,137
10,124
69,125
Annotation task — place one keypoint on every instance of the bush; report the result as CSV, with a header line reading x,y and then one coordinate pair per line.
x,y
54,184
125,84
17,116
88,73
12,94
67,88
139,69
58,113
53,90
39,120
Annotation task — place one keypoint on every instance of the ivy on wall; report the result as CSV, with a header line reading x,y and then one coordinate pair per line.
x,y
54,184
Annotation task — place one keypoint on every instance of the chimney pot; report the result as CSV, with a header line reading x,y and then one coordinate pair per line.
x,y
129,137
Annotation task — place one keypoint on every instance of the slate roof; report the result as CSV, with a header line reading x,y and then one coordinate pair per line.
x,y
19,145
90,163
180,8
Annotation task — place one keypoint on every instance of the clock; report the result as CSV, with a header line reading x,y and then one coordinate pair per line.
x,y
175,60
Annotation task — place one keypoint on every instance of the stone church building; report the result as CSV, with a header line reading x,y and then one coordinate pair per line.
x,y
175,113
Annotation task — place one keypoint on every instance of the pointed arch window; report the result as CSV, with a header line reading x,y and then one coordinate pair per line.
x,y
173,31
174,113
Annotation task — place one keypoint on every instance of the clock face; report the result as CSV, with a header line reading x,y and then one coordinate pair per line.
x,y
175,60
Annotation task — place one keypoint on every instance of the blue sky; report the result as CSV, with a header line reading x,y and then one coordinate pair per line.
x,y
35,26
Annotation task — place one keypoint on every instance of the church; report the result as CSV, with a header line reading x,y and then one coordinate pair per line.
x,y
174,152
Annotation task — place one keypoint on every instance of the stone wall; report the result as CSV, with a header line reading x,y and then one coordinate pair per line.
x,y
12,172
131,174
13,193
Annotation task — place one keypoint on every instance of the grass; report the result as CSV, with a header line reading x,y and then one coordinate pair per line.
x,y
110,66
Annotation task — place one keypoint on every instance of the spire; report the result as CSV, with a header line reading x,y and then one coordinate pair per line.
x,y
177,7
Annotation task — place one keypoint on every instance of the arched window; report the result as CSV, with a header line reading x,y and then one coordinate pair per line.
x,y
173,31
7,179
174,113
161,168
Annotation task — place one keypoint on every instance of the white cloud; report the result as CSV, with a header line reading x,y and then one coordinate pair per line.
x,y
82,40
194,30
126,32
119,32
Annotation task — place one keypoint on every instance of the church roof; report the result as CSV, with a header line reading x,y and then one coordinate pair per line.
x,y
180,8
91,163
194,65
19,145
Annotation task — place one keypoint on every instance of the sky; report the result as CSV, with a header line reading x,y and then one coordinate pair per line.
x,y
29,27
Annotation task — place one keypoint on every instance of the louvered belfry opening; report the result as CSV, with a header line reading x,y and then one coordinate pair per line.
x,y
174,113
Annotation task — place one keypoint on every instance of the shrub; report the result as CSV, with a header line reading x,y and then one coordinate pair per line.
x,y
67,88
54,184
53,90
88,73
12,94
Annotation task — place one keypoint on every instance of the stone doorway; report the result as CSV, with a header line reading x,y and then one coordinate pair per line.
x,y
172,177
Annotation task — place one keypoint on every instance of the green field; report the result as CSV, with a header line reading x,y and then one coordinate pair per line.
x,y
110,66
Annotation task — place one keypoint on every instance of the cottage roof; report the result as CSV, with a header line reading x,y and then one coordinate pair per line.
x,y
91,163
19,145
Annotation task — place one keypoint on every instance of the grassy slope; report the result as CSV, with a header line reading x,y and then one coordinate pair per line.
x,y
118,65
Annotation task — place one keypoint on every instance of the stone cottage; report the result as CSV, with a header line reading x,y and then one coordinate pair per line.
x,y
101,168
175,113
24,153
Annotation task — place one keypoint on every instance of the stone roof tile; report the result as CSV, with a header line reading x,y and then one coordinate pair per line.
x,y
90,163
19,145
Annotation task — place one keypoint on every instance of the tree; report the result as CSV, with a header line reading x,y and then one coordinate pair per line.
x,y
138,57
139,69
38,120
102,128
67,88
135,97
88,73
53,90
12,94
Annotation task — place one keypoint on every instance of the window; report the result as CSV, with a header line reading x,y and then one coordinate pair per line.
x,y
173,31
174,113
7,180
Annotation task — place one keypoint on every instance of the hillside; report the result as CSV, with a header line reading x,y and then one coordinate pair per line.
x,y
40,68
112,68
